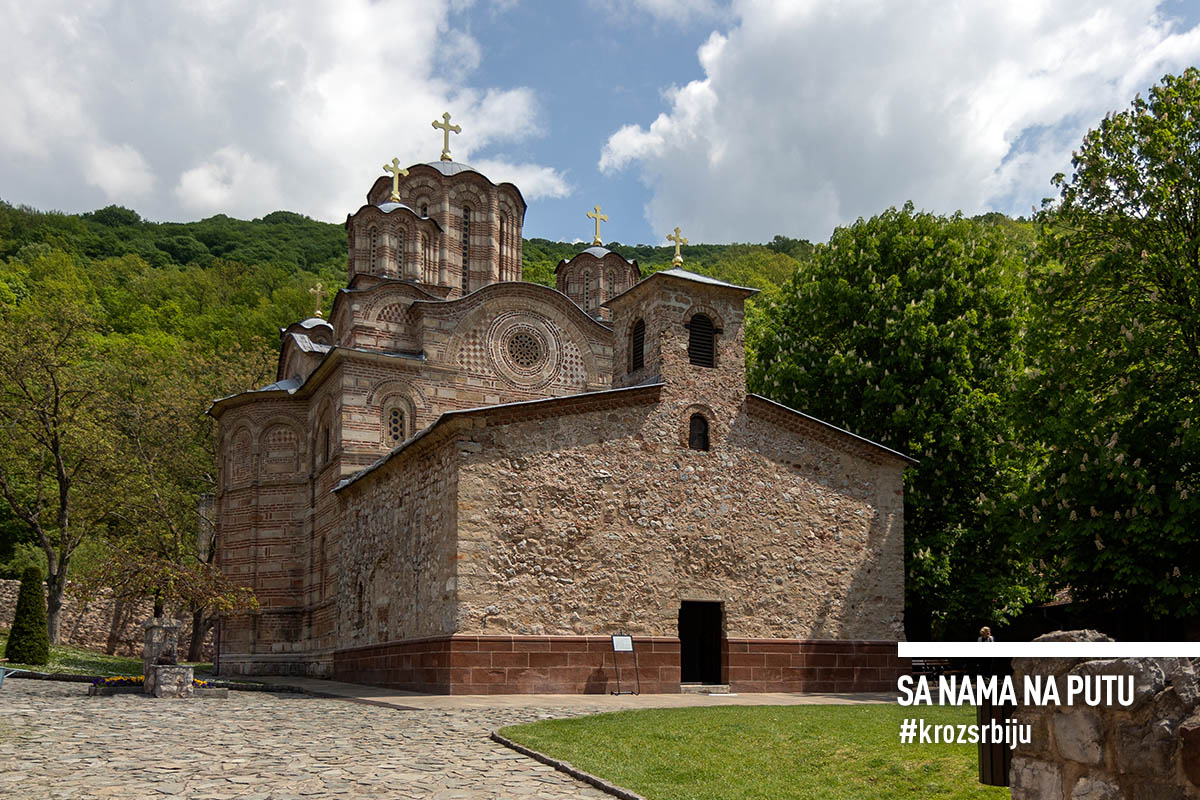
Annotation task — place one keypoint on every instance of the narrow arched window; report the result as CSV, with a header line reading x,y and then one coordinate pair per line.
x,y
373,239
637,346
610,290
587,291
324,445
504,276
395,426
701,341
424,210
466,245
400,254
698,432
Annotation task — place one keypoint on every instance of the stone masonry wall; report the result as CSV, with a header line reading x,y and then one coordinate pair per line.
x,y
1149,750
603,521
88,624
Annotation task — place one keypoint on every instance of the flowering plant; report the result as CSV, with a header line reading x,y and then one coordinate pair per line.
x,y
139,680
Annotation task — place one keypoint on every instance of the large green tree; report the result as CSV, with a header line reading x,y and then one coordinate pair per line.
x,y
906,328
58,463
1116,372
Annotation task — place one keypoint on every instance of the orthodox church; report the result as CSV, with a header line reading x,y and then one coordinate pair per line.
x,y
465,483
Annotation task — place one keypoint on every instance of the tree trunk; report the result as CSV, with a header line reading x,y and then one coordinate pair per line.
x,y
54,602
115,626
200,628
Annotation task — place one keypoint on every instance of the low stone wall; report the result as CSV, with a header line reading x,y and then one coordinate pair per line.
x,y
90,624
1150,749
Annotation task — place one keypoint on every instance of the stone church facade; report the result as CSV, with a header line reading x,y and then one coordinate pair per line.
x,y
466,483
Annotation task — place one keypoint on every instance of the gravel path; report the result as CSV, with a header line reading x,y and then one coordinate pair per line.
x,y
55,742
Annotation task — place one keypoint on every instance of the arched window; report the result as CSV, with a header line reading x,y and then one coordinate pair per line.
x,y
637,346
373,240
324,445
400,253
504,276
587,291
610,290
394,420
701,341
466,246
698,432
424,209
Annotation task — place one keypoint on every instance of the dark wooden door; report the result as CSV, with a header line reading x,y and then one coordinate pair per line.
x,y
700,642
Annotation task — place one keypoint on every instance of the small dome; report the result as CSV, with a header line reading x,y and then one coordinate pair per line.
x,y
449,168
312,322
598,252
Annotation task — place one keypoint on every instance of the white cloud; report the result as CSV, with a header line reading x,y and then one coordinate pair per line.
x,y
534,181
118,170
232,182
811,114
239,108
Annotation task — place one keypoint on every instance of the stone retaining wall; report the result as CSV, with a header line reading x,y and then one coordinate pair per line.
x,y
89,624
1148,750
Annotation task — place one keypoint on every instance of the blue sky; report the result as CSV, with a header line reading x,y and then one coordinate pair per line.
x,y
734,120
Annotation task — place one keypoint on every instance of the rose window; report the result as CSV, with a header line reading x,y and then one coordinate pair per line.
x,y
524,350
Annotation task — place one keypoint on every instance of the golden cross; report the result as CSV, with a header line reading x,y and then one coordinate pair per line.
x,y
596,215
396,171
318,292
678,240
446,128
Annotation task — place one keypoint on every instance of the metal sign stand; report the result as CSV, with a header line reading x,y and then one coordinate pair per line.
x,y
623,643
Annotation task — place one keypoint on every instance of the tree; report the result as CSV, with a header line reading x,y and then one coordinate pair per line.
x,y
58,471
28,642
1117,362
905,328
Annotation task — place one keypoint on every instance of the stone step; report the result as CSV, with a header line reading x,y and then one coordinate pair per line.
x,y
704,688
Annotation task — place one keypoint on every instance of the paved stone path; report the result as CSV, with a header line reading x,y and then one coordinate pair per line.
x,y
55,742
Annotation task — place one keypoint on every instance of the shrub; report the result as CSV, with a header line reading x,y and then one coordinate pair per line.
x,y
28,641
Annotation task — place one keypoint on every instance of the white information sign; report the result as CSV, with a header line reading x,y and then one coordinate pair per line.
x,y
622,643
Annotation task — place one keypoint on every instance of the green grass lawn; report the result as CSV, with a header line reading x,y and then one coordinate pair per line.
x,y
765,752
77,661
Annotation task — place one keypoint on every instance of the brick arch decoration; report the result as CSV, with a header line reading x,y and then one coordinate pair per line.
x,y
498,307
242,455
322,420
391,387
280,447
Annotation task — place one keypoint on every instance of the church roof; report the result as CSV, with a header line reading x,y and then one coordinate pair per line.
x,y
833,428
680,274
289,385
388,208
307,345
309,324
449,168
595,251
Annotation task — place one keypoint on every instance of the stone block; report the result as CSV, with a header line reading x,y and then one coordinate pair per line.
x,y
164,680
1189,739
1147,749
1035,780
1079,736
1095,788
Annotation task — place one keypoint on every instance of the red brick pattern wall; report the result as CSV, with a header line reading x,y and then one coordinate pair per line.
x,y
800,665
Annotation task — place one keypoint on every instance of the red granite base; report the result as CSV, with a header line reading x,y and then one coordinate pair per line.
x,y
466,664
812,665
